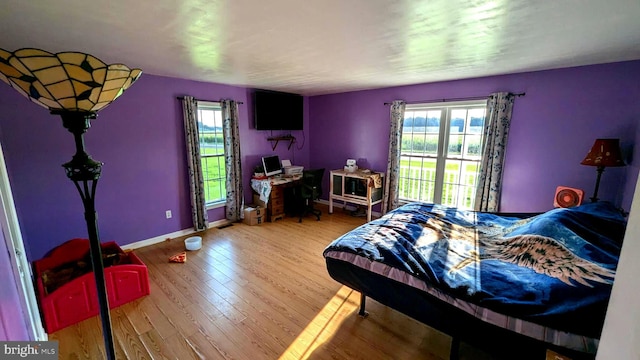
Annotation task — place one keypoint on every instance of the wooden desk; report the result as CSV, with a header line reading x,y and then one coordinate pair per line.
x,y
276,205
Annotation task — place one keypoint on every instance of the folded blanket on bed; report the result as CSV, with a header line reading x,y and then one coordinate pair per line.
x,y
554,269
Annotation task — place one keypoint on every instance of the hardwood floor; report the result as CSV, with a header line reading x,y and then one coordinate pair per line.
x,y
255,292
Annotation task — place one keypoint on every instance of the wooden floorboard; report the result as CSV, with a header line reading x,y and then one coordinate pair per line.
x,y
250,293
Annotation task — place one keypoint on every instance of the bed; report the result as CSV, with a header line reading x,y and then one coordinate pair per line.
x,y
513,285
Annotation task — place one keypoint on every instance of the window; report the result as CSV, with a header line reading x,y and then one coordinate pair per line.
x,y
440,153
212,152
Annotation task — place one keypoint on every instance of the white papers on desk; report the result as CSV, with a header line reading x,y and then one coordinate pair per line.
x,y
286,163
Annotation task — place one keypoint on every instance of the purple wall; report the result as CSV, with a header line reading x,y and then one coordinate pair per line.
x,y
140,139
552,128
12,322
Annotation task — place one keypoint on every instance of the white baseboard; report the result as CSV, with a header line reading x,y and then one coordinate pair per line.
x,y
185,232
173,235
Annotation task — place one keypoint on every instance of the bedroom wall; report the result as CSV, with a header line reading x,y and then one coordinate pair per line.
x,y
140,139
552,128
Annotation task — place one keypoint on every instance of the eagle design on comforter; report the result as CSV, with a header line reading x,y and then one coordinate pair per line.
x,y
554,269
542,254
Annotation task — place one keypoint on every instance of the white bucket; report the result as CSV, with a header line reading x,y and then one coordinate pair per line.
x,y
193,243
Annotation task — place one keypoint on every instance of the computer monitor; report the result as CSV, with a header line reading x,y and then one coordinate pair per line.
x,y
271,165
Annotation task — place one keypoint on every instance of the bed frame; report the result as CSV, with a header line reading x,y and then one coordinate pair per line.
x,y
461,326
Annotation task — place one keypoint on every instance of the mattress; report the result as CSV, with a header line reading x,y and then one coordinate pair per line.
x,y
547,277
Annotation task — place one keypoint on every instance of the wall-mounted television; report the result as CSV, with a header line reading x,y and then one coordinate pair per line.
x,y
271,165
273,110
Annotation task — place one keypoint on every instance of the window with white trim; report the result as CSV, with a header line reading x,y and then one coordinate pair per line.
x,y
440,152
212,157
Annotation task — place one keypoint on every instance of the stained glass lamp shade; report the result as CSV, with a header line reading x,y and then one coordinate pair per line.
x,y
75,86
70,81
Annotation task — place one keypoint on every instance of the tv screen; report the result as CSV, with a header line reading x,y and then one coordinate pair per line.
x,y
275,110
271,165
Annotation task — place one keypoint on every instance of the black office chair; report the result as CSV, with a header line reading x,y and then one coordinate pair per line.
x,y
310,190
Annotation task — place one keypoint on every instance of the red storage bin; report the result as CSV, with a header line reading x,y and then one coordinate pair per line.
x,y
76,299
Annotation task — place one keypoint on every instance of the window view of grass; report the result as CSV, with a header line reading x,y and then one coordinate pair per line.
x,y
418,179
213,174
420,154
212,154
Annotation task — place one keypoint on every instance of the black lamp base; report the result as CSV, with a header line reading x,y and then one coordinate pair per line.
x,y
85,172
600,170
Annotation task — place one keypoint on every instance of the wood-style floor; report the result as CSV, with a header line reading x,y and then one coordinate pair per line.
x,y
255,292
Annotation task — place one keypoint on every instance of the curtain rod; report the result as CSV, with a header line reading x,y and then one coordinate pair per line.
x,y
454,99
182,98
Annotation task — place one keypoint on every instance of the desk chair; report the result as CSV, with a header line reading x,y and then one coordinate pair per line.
x,y
310,190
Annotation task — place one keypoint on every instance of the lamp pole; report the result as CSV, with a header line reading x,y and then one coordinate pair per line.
x,y
600,169
85,172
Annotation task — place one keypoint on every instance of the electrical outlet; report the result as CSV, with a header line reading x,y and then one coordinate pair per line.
x,y
168,213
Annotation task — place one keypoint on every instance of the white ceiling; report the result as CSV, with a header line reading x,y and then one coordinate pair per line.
x,y
327,46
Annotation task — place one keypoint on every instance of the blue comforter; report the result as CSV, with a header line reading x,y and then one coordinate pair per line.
x,y
555,269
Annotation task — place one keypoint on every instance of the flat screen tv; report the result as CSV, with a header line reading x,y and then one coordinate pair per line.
x,y
273,110
271,165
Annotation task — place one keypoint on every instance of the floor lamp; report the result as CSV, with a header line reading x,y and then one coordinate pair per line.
x,y
75,86
603,153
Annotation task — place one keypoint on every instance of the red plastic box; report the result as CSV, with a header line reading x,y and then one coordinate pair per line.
x,y
77,299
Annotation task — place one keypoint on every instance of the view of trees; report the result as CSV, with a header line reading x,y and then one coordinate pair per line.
x,y
433,124
211,138
429,143
210,134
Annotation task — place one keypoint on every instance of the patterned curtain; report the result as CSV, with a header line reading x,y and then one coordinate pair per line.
x,y
499,108
390,200
235,197
198,210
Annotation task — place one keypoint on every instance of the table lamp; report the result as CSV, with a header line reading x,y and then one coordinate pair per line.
x,y
75,86
603,153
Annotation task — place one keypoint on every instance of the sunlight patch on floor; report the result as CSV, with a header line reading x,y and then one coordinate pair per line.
x,y
322,328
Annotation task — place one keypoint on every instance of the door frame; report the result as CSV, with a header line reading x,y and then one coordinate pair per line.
x,y
20,266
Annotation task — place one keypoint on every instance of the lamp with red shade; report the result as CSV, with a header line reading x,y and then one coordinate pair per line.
x,y
603,153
